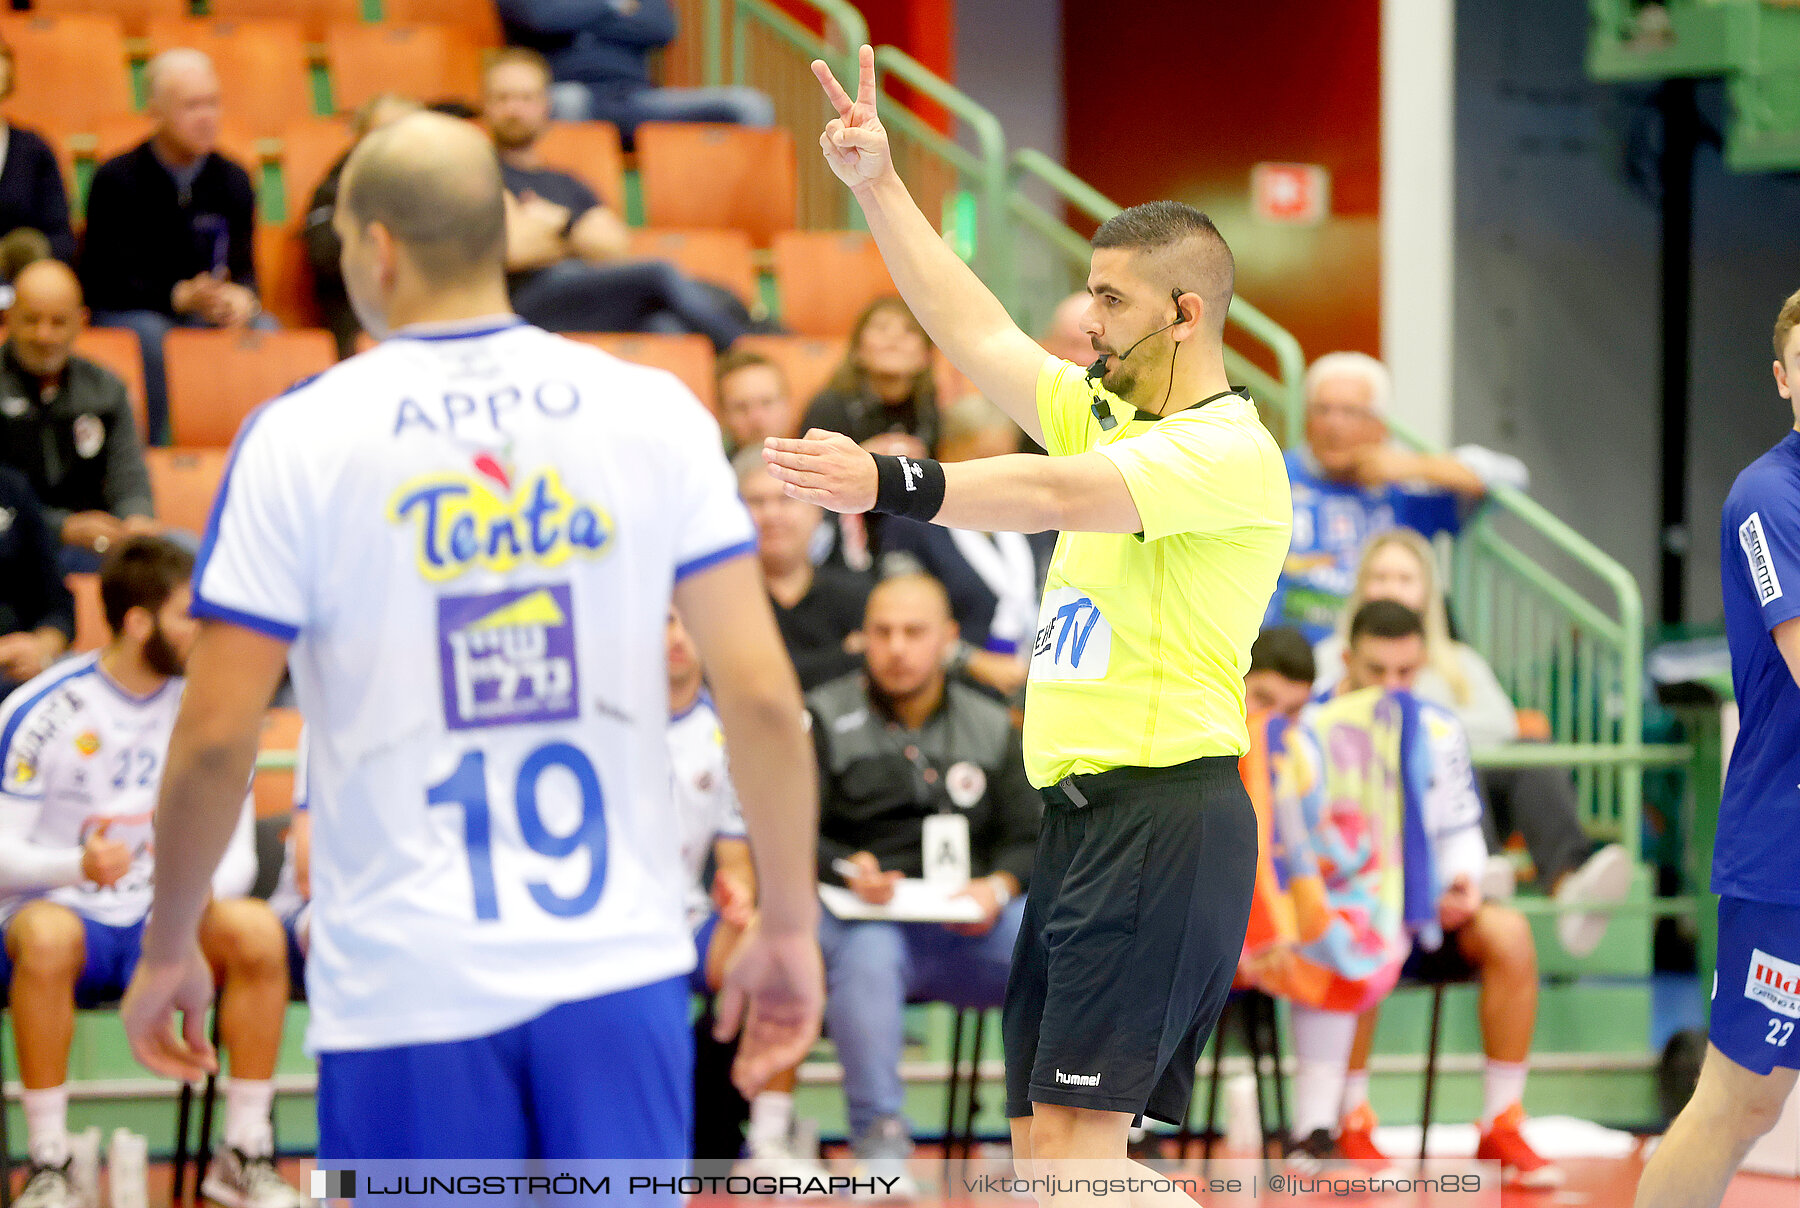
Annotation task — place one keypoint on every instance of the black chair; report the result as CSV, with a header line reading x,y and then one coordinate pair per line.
x,y
1256,1015
1437,989
959,1127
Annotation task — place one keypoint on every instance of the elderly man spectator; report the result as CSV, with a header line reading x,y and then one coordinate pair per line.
x,y
1350,483
37,615
565,247
600,52
818,608
908,760
66,424
994,580
170,225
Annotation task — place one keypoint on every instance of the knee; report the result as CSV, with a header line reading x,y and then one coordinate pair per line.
x,y
244,938
1504,946
571,101
865,953
46,941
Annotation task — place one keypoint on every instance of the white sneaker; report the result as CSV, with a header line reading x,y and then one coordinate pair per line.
x,y
1604,878
240,1180
1499,879
882,1154
47,1187
84,1166
781,1159
127,1170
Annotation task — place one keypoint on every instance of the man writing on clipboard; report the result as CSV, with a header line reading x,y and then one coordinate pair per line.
x,y
918,778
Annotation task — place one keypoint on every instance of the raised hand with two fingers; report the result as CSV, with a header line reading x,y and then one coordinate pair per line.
x,y
854,142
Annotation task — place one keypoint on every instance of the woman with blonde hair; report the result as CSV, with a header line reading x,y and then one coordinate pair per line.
x,y
1400,565
1537,803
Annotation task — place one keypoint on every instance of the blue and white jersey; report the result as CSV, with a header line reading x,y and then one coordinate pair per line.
x,y
470,535
1759,569
77,752
1453,806
706,804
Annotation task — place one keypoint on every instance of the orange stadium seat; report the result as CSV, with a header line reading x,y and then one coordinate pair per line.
x,y
428,62
183,483
806,361
480,19
264,78
688,357
90,615
309,148
722,257
284,276
274,790
135,14
216,378
315,16
825,278
71,70
706,174
590,151
117,349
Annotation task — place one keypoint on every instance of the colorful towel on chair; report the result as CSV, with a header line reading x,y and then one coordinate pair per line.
x,y
1346,879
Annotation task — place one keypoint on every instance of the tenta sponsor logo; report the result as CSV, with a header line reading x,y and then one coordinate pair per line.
x,y
1774,982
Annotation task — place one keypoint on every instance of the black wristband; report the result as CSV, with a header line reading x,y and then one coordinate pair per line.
x,y
907,486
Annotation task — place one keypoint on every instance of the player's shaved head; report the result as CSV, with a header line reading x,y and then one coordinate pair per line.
x,y
1178,248
433,182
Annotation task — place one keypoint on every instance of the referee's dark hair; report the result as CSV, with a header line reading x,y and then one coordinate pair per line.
x,y
1385,619
1284,650
1188,251
434,183
141,572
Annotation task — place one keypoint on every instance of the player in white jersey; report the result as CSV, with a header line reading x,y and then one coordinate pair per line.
x,y
82,750
463,544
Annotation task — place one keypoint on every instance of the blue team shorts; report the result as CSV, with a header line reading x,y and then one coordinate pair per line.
x,y
608,1077
111,958
703,938
1756,989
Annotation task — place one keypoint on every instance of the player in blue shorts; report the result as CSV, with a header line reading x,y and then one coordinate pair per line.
x,y
1750,1063
463,545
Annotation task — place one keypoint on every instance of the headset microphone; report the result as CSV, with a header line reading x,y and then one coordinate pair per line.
x,y
1097,370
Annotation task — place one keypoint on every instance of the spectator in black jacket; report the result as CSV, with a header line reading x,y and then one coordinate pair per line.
x,y
918,777
883,396
818,609
37,614
66,423
32,196
170,226
599,51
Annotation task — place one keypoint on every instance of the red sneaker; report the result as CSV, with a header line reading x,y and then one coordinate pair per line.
x,y
1356,1135
1520,1165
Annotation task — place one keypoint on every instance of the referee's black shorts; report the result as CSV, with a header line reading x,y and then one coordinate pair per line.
x,y
1133,927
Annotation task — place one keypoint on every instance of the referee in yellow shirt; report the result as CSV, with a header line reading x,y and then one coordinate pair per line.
x,y
1174,507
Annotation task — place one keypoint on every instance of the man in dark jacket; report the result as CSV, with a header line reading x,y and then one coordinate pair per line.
x,y
171,224
918,778
66,423
37,614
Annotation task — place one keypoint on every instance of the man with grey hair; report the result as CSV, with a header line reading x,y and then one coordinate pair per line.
x,y
1351,483
170,225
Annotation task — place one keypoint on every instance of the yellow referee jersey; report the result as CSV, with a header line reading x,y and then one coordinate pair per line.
x,y
1143,639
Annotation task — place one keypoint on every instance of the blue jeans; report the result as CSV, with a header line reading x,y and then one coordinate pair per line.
x,y
638,295
151,326
872,970
574,101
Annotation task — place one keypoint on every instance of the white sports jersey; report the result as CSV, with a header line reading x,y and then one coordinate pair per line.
x,y
706,804
77,750
1453,805
470,535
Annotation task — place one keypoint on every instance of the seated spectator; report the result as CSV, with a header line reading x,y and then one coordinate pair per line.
x,y
32,197
995,580
77,865
1350,483
1066,336
170,226
323,247
600,53
818,608
1482,940
1537,804
66,423
755,402
37,614
904,754
565,248
1280,679
883,396
291,899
